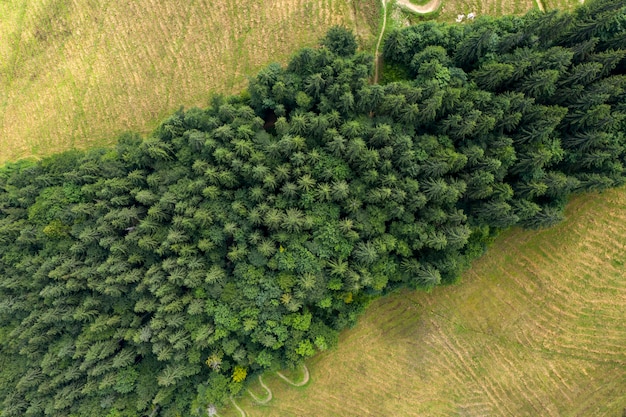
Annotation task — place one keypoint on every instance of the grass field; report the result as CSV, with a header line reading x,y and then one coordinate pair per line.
x,y
561,4
420,2
537,327
75,74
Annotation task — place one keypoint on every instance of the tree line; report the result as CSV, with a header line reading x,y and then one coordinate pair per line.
x,y
155,277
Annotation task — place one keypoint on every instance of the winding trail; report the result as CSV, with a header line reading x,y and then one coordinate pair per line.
x,y
426,8
297,384
269,397
243,413
266,388
540,5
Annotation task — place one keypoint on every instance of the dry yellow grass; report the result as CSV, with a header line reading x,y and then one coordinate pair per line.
x,y
537,327
75,74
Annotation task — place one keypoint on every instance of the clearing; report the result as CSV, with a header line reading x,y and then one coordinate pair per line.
x,y
76,74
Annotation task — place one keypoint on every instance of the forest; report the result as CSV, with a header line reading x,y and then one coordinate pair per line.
x,y
156,277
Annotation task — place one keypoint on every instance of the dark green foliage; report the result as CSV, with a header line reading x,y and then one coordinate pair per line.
x,y
150,278
340,41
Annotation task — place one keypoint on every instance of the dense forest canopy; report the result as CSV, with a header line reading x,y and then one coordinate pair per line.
x,y
154,278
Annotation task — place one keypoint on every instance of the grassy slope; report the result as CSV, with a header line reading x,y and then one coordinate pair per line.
x,y
75,74
537,327
561,4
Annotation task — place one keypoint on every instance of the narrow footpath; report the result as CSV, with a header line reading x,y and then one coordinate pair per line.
x,y
267,389
427,8
304,381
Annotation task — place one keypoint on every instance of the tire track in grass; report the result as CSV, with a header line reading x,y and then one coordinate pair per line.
x,y
464,363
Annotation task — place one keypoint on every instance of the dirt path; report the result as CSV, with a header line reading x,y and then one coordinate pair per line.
x,y
380,38
266,388
256,399
540,5
297,384
243,413
427,8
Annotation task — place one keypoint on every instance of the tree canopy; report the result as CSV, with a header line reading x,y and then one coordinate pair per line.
x,y
154,278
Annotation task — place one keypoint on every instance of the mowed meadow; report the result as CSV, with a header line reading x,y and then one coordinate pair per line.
x,y
537,327
76,74
561,4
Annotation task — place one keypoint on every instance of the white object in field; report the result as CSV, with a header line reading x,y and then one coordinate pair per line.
x,y
459,18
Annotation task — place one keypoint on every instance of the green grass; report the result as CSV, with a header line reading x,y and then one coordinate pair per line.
x,y
561,4
76,74
537,327
420,2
